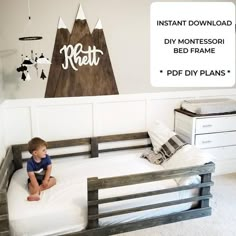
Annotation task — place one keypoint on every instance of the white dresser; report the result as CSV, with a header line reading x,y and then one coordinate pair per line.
x,y
213,133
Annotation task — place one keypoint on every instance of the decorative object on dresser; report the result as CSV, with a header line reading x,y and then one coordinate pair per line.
x,y
202,123
209,106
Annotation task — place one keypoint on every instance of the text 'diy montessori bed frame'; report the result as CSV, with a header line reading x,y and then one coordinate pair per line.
x,y
13,161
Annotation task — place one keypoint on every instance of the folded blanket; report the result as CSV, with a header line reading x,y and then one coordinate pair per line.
x,y
172,145
159,134
166,151
153,157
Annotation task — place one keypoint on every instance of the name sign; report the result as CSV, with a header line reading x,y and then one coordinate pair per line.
x,y
75,55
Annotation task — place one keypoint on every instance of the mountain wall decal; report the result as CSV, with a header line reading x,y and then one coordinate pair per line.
x,y
81,64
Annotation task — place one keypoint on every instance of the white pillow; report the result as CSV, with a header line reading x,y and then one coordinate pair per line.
x,y
159,134
194,179
187,156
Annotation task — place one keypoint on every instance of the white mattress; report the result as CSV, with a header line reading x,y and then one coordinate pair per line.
x,y
63,208
209,106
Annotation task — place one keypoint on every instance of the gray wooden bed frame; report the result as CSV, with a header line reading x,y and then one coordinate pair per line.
x,y
13,161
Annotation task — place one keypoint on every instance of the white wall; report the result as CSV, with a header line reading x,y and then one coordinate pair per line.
x,y
2,147
1,82
125,24
2,142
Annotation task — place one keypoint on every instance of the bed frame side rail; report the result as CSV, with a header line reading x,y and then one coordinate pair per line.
x,y
93,142
19,148
116,138
6,171
95,184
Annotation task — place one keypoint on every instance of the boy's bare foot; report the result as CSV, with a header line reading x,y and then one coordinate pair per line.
x,y
34,197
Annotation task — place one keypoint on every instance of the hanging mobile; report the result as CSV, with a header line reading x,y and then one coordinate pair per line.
x,y
43,76
26,61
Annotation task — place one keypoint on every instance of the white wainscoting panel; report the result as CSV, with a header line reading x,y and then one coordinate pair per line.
x,y
119,117
163,110
17,125
64,122
66,118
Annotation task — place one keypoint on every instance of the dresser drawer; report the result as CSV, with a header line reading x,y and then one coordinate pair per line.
x,y
215,139
222,153
215,124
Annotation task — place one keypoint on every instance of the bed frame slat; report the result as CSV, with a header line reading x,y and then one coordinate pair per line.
x,y
104,183
5,233
69,142
71,154
150,193
125,148
66,155
148,207
147,223
122,137
60,143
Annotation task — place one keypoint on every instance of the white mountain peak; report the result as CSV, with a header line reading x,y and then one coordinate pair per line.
x,y
80,14
98,25
61,24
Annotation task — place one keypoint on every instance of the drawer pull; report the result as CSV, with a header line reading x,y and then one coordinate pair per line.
x,y
206,141
207,126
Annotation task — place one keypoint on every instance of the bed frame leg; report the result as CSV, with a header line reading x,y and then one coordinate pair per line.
x,y
92,204
205,190
17,153
94,147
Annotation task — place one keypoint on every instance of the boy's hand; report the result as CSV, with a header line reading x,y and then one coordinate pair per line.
x,y
45,183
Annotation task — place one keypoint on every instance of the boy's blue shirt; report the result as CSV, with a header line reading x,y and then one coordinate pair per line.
x,y
38,168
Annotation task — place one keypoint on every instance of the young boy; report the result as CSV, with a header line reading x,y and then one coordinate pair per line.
x,y
39,168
